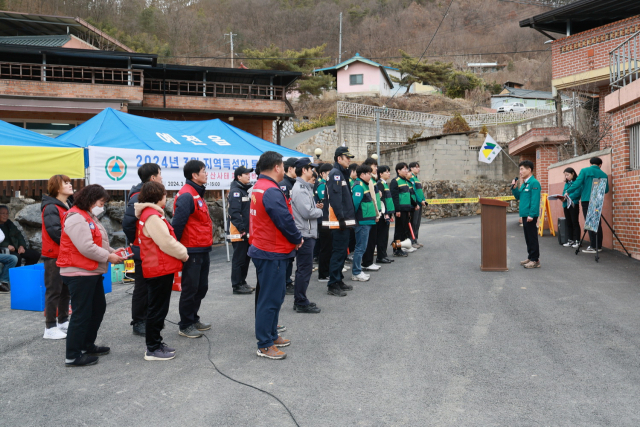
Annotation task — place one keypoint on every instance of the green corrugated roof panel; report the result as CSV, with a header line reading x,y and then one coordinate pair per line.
x,y
45,41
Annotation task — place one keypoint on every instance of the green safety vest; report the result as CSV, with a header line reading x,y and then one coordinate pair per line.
x,y
366,213
417,188
321,189
386,196
406,193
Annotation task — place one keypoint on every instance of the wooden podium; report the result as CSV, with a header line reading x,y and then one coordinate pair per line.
x,y
494,235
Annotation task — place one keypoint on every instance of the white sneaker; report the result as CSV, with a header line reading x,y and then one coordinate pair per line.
x,y
360,277
372,267
575,245
54,334
63,326
345,268
569,243
589,250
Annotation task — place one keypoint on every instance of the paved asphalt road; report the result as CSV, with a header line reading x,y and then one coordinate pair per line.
x,y
429,341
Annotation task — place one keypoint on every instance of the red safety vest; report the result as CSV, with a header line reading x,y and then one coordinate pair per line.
x,y
155,263
198,231
51,249
69,255
263,234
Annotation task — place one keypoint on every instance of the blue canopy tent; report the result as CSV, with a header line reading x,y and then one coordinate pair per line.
x,y
26,155
117,144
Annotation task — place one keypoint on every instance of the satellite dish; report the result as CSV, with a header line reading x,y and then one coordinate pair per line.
x,y
346,67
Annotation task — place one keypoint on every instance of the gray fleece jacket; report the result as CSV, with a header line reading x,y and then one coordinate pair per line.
x,y
305,212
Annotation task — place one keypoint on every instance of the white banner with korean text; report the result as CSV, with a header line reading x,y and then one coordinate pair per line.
x,y
117,168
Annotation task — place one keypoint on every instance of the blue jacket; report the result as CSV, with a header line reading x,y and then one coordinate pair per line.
x,y
278,211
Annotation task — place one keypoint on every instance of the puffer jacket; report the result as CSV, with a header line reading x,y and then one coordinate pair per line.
x,y
304,209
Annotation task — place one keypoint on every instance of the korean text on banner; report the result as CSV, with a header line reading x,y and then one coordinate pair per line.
x,y
489,150
119,170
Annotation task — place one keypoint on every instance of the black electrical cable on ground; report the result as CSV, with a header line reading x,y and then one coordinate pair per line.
x,y
240,382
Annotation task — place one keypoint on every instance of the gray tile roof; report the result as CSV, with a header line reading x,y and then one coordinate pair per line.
x,y
44,41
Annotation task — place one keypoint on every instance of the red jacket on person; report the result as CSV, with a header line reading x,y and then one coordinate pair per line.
x,y
198,231
263,233
50,248
69,255
155,262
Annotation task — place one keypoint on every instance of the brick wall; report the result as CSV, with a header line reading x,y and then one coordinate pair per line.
x,y
70,90
589,50
216,104
626,183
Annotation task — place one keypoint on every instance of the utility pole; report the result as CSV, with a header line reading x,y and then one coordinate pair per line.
x,y
340,41
231,40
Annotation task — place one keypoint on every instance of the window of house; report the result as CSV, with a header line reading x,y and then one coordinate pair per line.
x,y
634,147
355,79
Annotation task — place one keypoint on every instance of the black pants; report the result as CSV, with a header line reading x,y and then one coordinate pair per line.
x,y
56,296
352,240
592,234
29,256
324,255
416,220
340,244
159,292
240,263
289,272
402,226
531,238
367,257
383,238
140,298
89,305
304,267
195,284
572,216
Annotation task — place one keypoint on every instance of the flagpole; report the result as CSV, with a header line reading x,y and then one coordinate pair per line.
x,y
514,162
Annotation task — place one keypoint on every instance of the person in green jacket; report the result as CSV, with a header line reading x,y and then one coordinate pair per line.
x,y
416,217
571,213
324,242
352,234
581,190
529,196
364,205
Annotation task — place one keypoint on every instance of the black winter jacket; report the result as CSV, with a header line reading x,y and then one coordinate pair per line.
x,y
51,216
286,185
129,220
239,204
338,193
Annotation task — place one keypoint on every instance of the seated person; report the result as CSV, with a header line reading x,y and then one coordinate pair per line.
x,y
14,240
6,262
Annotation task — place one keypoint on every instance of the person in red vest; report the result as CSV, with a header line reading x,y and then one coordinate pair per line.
x,y
162,256
194,229
84,254
274,239
54,207
139,301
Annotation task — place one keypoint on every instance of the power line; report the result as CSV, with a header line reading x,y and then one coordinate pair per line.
x,y
373,57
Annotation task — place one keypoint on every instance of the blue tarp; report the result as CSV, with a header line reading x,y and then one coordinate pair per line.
x,y
115,129
15,136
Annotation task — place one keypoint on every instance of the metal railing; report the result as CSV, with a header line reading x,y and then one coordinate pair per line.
x,y
437,121
624,62
71,74
213,89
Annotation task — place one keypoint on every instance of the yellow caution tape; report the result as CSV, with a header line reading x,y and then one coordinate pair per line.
x,y
467,200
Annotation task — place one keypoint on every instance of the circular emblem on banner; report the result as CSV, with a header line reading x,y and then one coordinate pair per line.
x,y
116,168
